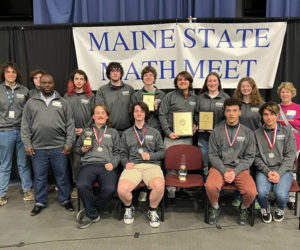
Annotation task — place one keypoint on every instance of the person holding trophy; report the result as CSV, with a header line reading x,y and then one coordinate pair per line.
x,y
98,146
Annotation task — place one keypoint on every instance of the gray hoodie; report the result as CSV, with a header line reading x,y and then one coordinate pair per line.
x,y
284,150
47,127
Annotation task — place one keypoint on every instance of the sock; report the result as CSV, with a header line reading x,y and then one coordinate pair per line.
x,y
129,206
152,209
243,206
215,206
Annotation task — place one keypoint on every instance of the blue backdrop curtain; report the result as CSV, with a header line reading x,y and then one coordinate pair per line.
x,y
283,8
84,11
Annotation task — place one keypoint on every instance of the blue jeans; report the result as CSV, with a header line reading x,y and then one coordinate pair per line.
x,y
203,146
280,189
9,140
41,161
88,175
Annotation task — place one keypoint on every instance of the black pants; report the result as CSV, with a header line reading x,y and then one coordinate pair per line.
x,y
88,175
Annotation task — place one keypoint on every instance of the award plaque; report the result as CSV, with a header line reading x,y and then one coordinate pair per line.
x,y
87,141
206,120
149,100
183,123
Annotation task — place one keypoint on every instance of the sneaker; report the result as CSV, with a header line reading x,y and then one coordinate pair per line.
x,y
80,215
278,215
213,214
3,200
87,222
256,205
153,218
243,217
266,215
142,196
28,195
236,202
129,215
74,194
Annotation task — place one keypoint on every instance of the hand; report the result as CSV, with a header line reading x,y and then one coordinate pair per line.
x,y
66,150
195,128
145,156
84,149
109,166
30,151
229,176
155,104
274,177
129,165
78,131
173,136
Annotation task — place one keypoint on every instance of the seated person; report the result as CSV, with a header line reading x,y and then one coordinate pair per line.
x,y
275,155
231,153
98,163
142,149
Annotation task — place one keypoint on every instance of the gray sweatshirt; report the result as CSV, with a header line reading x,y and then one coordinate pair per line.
x,y
240,157
110,145
153,144
153,120
118,101
47,127
284,150
82,107
33,92
172,102
20,98
250,116
207,104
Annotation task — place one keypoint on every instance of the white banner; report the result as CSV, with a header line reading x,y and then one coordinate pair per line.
x,y
233,50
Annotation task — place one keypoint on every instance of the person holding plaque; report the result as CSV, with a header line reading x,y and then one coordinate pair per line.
x,y
208,113
150,95
99,147
248,93
81,99
116,95
231,153
142,150
289,116
275,155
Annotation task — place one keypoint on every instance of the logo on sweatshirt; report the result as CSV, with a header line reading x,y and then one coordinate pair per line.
x,y
219,104
192,103
125,92
254,109
280,137
240,138
84,101
107,136
149,137
57,104
20,96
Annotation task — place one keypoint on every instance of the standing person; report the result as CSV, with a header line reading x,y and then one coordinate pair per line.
x,y
248,93
210,99
289,115
276,149
48,135
231,153
149,76
181,99
142,149
116,95
98,163
13,97
35,77
81,100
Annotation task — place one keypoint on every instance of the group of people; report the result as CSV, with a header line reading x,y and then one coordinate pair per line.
x,y
99,133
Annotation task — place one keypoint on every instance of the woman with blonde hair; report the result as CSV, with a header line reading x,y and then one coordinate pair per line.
x,y
289,116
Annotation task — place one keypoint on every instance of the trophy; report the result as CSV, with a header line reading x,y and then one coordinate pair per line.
x,y
87,141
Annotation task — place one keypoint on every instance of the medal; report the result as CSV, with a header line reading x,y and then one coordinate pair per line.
x,y
271,145
140,139
99,149
231,143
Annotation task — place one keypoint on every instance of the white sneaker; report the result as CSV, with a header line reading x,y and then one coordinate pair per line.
x,y
153,218
80,215
142,196
278,215
129,215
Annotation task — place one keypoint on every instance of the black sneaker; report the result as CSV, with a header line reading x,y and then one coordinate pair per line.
x,y
86,222
266,215
243,217
278,215
213,214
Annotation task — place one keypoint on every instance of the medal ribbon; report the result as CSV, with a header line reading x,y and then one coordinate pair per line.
x,y
97,136
271,145
235,136
140,139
